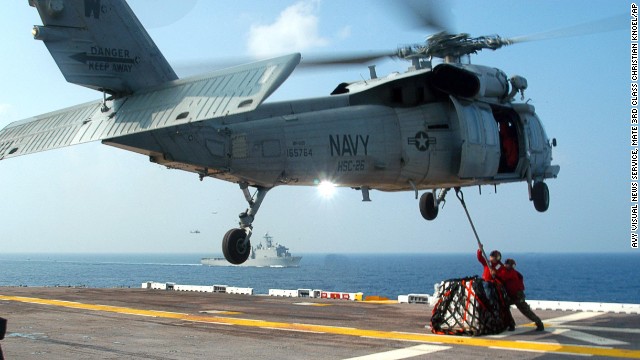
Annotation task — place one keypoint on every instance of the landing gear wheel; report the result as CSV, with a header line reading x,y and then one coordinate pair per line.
x,y
234,248
540,196
428,207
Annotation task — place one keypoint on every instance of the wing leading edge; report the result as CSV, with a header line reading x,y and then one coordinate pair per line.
x,y
218,94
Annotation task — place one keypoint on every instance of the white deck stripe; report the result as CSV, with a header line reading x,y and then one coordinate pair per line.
x,y
519,330
573,317
584,306
598,328
593,339
403,353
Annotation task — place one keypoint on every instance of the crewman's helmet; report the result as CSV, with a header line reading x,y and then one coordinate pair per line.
x,y
496,255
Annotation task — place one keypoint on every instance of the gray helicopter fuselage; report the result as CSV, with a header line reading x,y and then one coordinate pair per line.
x,y
433,127
389,134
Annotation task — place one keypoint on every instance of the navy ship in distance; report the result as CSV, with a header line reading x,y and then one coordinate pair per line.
x,y
270,255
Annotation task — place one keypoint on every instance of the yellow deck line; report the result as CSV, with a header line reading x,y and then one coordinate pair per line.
x,y
388,335
381,302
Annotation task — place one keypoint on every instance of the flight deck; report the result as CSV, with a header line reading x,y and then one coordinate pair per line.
x,y
86,323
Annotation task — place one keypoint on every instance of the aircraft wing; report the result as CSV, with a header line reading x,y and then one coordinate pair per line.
x,y
218,94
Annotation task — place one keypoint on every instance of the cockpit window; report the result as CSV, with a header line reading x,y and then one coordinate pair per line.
x,y
533,131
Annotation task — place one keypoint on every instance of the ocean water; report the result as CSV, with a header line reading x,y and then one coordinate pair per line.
x,y
564,277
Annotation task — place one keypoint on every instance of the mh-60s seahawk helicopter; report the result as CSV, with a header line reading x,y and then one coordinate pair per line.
x,y
434,127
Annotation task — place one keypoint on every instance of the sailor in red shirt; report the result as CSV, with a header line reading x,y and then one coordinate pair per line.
x,y
489,273
513,282
508,139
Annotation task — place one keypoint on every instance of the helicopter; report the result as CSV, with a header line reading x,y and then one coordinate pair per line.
x,y
442,125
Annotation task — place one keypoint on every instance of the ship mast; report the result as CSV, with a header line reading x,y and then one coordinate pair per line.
x,y
267,240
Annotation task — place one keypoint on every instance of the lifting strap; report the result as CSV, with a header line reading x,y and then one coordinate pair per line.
x,y
460,197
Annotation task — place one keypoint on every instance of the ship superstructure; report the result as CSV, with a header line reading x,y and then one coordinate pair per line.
x,y
271,254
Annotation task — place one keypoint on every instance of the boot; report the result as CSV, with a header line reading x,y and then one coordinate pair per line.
x,y
539,326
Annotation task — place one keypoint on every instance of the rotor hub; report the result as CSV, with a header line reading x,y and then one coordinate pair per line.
x,y
451,47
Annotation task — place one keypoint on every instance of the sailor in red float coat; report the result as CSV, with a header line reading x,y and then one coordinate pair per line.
x,y
508,138
496,265
513,282
511,279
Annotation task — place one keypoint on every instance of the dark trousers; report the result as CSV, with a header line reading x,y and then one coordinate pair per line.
x,y
519,301
3,330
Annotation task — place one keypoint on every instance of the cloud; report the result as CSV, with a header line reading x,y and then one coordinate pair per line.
x,y
296,29
6,113
4,108
344,33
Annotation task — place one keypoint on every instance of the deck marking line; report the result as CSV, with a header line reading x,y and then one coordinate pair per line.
x,y
573,317
295,330
387,335
519,330
380,302
538,351
597,328
593,339
208,322
526,350
403,353
418,334
219,312
310,304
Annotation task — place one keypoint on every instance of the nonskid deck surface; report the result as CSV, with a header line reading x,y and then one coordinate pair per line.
x,y
80,323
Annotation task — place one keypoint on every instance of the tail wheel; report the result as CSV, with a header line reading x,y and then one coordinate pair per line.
x,y
428,207
234,248
540,196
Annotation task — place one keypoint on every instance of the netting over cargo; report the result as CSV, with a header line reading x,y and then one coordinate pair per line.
x,y
470,306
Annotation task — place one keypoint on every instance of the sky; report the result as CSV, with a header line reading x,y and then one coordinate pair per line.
x,y
93,198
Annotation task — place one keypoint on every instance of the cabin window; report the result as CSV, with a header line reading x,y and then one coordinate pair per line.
x,y
473,129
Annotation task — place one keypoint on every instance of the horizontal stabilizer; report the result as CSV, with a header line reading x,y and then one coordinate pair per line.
x,y
218,94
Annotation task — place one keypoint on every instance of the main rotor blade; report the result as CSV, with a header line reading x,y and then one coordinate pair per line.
x,y
194,67
160,13
616,22
427,15
310,61
350,58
